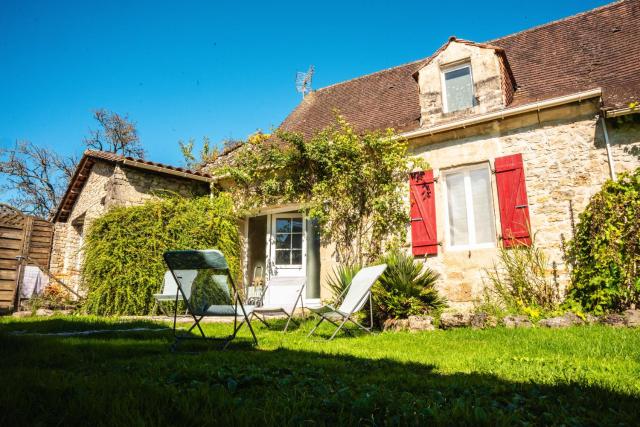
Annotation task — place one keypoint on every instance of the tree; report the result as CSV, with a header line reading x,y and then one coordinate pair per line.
x,y
206,155
37,176
352,183
117,135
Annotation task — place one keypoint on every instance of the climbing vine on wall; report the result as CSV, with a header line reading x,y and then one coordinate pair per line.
x,y
353,183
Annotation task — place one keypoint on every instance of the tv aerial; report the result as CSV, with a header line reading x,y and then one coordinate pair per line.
x,y
303,81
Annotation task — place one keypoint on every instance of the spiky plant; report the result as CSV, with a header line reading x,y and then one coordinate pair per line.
x,y
407,287
340,279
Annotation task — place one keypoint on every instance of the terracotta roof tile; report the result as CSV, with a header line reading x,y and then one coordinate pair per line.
x,y
88,160
598,48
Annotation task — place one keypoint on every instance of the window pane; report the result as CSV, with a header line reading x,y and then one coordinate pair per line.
x,y
283,256
459,89
456,202
283,225
296,241
482,209
296,257
297,225
283,241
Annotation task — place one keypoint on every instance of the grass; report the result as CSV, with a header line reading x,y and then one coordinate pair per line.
x,y
576,376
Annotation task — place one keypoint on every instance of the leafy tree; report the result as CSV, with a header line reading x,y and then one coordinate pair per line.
x,y
208,153
352,183
194,161
117,134
37,176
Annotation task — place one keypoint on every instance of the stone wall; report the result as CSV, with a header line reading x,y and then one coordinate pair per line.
x,y
565,163
108,185
67,241
130,187
488,82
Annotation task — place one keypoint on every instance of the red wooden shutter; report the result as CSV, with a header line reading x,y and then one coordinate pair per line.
x,y
424,237
512,197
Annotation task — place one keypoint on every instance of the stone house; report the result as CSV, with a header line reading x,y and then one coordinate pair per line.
x,y
519,132
103,180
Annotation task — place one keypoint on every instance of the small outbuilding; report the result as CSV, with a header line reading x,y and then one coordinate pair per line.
x,y
104,180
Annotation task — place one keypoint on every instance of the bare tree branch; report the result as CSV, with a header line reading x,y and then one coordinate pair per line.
x,y
37,175
117,135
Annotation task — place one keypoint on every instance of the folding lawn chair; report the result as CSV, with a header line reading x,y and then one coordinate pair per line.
x,y
212,292
353,299
170,287
280,296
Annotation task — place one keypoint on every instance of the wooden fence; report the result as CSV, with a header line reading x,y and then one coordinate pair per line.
x,y
20,235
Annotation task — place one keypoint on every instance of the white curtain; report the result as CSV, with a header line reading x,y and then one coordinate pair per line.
x,y
482,215
458,227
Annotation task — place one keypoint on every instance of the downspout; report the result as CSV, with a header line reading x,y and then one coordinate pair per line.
x,y
612,169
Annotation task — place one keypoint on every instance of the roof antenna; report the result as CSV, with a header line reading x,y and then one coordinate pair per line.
x,y
303,81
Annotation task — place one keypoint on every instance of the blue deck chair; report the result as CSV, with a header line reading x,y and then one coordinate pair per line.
x,y
211,292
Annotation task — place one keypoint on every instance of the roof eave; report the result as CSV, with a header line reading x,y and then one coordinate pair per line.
x,y
501,114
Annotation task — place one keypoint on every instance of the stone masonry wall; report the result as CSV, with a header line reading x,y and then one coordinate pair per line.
x,y
565,163
130,187
108,185
68,235
487,76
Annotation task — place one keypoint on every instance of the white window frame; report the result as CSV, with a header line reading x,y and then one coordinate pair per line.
x,y
448,69
272,237
469,205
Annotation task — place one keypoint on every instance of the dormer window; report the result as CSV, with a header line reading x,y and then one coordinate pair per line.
x,y
457,88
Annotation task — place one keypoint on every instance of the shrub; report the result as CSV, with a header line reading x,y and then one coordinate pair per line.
x,y
521,281
406,288
605,251
123,249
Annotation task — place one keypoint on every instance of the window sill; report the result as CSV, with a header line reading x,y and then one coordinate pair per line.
x,y
465,248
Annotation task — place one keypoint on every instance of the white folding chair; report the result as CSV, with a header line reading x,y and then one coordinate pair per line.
x,y
170,287
280,297
353,300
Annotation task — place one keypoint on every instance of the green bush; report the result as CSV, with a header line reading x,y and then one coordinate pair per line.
x,y
405,288
123,264
605,251
522,282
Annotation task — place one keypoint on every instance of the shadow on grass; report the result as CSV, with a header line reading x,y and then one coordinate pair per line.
x,y
136,381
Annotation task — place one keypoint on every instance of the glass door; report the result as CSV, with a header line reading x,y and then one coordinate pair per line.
x,y
288,247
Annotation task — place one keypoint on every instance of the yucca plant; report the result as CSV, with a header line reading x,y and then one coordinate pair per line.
x,y
340,278
406,288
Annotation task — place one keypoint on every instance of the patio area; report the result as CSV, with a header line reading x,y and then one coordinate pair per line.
x,y
580,376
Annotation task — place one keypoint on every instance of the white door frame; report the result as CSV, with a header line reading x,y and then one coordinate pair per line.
x,y
280,270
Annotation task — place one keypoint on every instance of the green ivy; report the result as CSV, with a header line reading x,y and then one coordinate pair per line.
x,y
353,183
123,264
605,251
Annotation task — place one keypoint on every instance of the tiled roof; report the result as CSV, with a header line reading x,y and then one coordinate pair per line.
x,y
89,159
598,48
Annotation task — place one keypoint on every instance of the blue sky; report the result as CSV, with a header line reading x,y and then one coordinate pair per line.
x,y
220,69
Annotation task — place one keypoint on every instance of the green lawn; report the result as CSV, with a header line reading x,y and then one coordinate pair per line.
x,y
576,376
